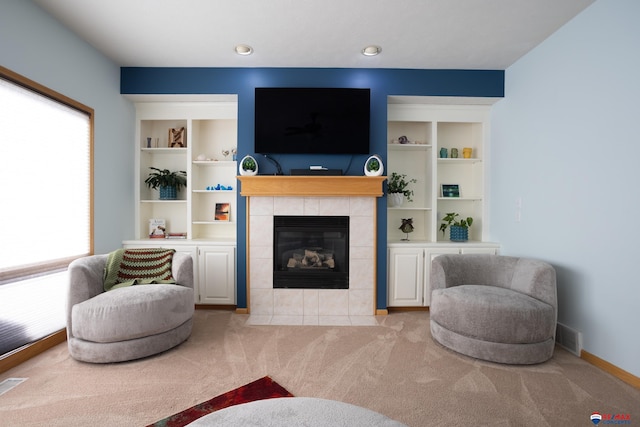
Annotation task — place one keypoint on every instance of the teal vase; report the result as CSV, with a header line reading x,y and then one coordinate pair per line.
x,y
459,234
168,193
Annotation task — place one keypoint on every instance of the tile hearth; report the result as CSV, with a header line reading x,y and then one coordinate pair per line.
x,y
353,306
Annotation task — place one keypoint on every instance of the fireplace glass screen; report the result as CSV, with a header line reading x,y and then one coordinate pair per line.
x,y
311,252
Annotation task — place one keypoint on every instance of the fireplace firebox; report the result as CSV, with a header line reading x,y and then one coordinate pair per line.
x,y
311,252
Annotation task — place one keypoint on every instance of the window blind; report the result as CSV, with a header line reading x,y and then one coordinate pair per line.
x,y
46,181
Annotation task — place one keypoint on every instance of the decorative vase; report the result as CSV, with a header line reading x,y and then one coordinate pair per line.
x,y
454,153
168,193
373,166
396,199
459,234
466,152
243,166
443,153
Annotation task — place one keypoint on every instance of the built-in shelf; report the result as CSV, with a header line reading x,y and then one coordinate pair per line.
x,y
214,162
416,147
211,129
459,161
214,191
408,209
166,150
213,222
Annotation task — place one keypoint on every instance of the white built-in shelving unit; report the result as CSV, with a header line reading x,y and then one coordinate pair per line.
x,y
429,127
210,124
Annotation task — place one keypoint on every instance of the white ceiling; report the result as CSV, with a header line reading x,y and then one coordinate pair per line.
x,y
421,34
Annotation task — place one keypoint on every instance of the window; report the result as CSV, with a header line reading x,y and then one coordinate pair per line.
x,y
46,150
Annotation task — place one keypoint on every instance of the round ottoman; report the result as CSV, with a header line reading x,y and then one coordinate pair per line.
x,y
295,411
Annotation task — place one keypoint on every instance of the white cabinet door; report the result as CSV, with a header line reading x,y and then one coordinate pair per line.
x,y
406,277
430,254
217,275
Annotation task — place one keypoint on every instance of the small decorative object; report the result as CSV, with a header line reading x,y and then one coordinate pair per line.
x,y
454,153
459,227
373,166
234,154
222,212
177,138
248,166
225,153
443,153
201,158
149,142
167,182
403,140
466,152
450,190
407,227
397,188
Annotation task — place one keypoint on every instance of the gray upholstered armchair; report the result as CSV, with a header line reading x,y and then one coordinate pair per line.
x,y
497,308
130,322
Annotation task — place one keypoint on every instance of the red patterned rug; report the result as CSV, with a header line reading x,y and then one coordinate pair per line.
x,y
264,388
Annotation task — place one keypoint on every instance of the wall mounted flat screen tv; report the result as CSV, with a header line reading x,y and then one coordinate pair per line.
x,y
312,120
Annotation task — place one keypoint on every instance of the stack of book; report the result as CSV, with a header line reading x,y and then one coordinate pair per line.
x,y
176,235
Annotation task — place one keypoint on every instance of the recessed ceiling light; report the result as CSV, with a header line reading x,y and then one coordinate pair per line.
x,y
371,50
243,49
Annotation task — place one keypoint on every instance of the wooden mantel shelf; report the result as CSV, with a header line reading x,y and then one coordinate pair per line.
x,y
316,185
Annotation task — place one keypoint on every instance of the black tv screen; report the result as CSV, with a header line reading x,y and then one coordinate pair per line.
x,y
312,121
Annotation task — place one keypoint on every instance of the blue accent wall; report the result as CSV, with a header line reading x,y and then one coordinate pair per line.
x,y
382,82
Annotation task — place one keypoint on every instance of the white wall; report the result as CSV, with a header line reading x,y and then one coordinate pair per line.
x,y
566,140
38,47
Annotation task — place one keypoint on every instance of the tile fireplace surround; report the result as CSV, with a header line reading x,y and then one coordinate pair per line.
x,y
350,196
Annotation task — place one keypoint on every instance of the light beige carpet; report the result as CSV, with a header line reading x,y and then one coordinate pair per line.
x,y
394,369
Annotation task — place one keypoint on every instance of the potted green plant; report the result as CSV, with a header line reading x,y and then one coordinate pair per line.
x,y
459,227
398,190
248,166
167,182
373,166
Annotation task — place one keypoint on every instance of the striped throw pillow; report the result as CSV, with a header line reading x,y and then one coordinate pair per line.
x,y
127,267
